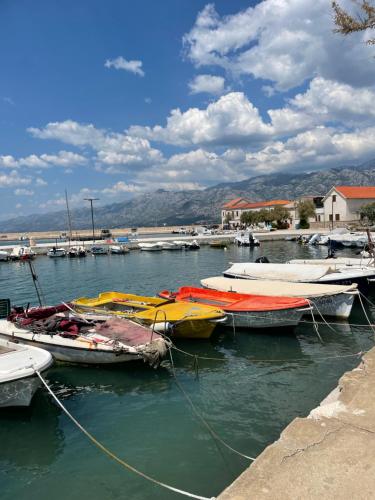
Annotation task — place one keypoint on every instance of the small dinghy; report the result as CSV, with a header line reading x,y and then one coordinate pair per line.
x,y
96,250
304,273
329,300
18,380
4,256
21,253
150,247
74,338
246,239
167,245
56,252
178,320
246,311
118,249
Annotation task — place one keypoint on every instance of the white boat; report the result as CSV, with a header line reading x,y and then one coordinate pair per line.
x,y
118,249
329,300
4,256
306,273
97,250
18,380
246,239
76,252
336,262
114,341
150,247
56,252
166,245
22,253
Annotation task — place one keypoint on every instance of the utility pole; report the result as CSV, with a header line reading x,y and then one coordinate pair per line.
x,y
92,216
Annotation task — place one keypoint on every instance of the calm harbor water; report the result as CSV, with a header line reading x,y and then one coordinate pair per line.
x,y
140,413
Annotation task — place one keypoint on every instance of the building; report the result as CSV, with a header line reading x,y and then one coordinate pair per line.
x,y
232,210
342,204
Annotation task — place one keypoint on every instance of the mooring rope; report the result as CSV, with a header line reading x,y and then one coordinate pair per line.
x,y
202,419
111,454
324,358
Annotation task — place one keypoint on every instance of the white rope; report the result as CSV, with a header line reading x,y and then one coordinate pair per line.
x,y
365,313
112,455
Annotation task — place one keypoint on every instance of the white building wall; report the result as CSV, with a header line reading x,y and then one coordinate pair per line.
x,y
338,207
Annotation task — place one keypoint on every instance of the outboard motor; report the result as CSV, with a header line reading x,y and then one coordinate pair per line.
x,y
262,260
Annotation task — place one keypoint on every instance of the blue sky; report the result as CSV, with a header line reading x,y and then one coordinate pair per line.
x,y
116,98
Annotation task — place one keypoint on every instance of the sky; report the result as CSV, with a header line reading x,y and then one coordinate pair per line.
x,y
110,99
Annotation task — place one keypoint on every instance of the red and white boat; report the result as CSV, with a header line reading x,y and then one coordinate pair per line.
x,y
244,310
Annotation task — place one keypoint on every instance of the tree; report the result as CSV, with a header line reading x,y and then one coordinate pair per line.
x,y
281,216
347,23
306,209
368,212
227,218
249,218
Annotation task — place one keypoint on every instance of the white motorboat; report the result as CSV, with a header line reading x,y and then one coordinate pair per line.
x,y
75,252
246,239
4,256
116,340
18,380
56,252
329,300
306,273
166,245
336,262
118,249
150,247
22,253
97,250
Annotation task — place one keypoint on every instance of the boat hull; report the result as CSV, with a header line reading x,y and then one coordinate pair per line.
x,y
265,319
18,392
71,354
197,329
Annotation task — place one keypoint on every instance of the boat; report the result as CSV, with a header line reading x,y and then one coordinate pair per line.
x,y
118,249
97,250
167,245
22,253
56,252
337,261
304,273
246,239
73,338
218,244
150,247
188,245
328,300
4,256
18,365
244,310
179,320
76,252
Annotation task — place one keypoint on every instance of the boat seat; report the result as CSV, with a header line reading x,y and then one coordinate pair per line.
x,y
4,308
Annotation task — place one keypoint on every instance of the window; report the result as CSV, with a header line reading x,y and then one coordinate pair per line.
x,y
319,219
333,198
337,217
330,217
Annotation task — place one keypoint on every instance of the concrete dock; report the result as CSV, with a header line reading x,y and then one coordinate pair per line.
x,y
329,455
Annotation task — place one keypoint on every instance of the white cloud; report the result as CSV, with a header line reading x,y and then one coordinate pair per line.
x,y
148,100
23,192
111,148
13,179
283,41
230,119
209,84
121,187
19,205
62,159
40,182
121,63
8,161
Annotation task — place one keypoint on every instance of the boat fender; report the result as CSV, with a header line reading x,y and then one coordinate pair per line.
x,y
162,327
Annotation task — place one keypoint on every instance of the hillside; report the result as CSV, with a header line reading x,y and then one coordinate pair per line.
x,y
184,207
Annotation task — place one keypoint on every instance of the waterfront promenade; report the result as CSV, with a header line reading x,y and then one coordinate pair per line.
x,y
330,454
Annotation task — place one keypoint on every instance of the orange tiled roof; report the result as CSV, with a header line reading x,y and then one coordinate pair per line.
x,y
358,192
242,203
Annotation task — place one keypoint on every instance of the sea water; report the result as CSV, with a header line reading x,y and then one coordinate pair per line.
x,y
259,382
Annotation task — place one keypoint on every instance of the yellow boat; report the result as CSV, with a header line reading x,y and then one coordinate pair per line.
x,y
187,320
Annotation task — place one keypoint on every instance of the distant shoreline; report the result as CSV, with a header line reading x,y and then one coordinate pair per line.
x,y
88,232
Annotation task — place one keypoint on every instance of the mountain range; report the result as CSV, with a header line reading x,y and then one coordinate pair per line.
x,y
196,206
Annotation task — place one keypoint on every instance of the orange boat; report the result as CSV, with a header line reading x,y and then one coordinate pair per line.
x,y
244,310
